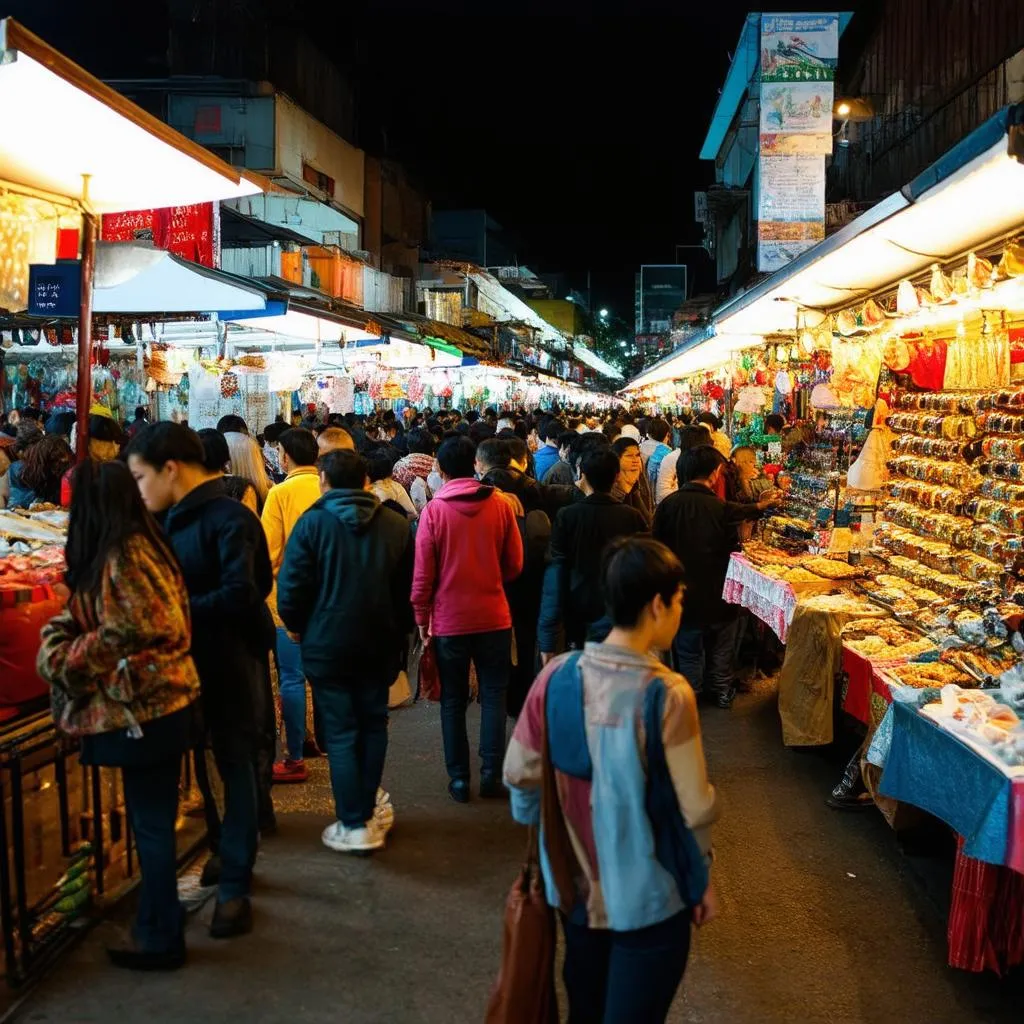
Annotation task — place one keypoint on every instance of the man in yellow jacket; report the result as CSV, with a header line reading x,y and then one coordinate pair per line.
x,y
285,504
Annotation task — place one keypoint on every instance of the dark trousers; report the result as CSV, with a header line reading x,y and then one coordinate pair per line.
x,y
707,654
266,751
624,977
524,672
355,723
151,794
235,838
491,653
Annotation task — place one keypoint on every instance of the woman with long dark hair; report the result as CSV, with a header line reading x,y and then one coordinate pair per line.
x,y
117,661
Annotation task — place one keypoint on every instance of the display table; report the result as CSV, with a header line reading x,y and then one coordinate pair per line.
x,y
771,600
946,775
983,801
813,660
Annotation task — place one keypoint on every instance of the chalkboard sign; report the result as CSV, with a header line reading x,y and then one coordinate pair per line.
x,y
54,289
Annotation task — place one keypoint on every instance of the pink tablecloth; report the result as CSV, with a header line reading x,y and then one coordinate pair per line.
x,y
771,600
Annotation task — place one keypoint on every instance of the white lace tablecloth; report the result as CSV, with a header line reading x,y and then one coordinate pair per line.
x,y
771,600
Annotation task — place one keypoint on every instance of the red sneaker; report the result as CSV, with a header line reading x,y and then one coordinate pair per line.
x,y
290,771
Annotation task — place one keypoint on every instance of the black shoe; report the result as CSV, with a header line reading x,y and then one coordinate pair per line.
x,y
311,749
724,700
493,789
458,790
211,872
231,918
133,959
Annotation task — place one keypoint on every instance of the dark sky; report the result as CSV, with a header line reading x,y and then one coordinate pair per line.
x,y
579,133
576,124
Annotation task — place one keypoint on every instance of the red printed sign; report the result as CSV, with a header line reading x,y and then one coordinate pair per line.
x,y
186,231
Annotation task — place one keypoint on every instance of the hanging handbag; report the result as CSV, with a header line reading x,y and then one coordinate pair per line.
x,y
429,677
524,992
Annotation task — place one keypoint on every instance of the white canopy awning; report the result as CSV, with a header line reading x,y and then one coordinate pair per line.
x,y
59,124
132,278
595,362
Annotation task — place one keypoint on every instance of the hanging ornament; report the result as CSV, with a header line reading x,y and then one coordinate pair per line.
x,y
807,343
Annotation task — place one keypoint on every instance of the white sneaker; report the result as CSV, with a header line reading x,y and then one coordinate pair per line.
x,y
384,817
352,840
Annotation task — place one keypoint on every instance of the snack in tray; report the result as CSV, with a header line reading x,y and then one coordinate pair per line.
x,y
981,663
923,675
831,569
759,554
876,647
842,603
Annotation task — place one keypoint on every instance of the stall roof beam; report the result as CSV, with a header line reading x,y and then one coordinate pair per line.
x,y
67,133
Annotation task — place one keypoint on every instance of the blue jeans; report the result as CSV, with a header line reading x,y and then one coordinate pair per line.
x,y
707,652
355,720
239,830
624,977
293,693
492,655
151,794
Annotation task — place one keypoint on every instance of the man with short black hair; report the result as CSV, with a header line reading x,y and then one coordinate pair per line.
x,y
561,471
224,560
718,439
467,546
774,423
232,424
702,531
352,626
655,448
571,597
547,454
285,503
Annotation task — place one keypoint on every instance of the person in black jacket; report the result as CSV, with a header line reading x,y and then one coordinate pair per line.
x,y
223,554
344,587
702,531
580,533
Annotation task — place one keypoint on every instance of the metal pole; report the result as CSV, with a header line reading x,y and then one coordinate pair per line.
x,y
83,398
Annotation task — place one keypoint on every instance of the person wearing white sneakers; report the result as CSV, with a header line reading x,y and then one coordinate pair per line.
x,y
344,589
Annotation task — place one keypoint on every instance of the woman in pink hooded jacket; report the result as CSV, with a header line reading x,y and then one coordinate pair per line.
x,y
468,545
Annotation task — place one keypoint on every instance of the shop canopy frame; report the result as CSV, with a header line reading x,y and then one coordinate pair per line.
x,y
63,137
971,199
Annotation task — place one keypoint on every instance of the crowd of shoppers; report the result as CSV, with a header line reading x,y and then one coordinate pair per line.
x,y
593,552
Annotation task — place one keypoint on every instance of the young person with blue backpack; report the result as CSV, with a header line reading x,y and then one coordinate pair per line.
x,y
607,758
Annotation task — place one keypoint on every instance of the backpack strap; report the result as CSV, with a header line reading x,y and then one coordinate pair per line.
x,y
564,696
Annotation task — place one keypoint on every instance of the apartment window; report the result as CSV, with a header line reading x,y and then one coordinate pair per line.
x,y
318,179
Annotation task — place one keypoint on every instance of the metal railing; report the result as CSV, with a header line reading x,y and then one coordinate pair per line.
x,y
68,851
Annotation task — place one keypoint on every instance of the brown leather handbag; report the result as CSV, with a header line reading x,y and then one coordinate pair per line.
x,y
524,992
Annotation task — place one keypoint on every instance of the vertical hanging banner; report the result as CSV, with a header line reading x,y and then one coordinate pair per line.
x,y
799,55
791,208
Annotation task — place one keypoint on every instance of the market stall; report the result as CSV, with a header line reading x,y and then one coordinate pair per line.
x,y
895,351
64,161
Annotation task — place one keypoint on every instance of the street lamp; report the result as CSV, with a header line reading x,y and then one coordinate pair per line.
x,y
603,314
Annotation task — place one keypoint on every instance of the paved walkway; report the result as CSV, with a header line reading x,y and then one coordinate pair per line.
x,y
822,921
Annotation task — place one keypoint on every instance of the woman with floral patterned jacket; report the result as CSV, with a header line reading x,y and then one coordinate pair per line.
x,y
117,660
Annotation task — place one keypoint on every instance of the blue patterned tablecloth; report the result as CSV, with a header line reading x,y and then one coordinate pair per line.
x,y
929,767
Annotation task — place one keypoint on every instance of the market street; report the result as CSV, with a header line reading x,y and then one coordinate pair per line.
x,y
822,920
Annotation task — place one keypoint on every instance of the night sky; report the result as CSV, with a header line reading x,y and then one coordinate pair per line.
x,y
576,125
579,133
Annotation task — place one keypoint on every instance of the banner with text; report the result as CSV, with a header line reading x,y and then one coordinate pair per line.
x,y
799,55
